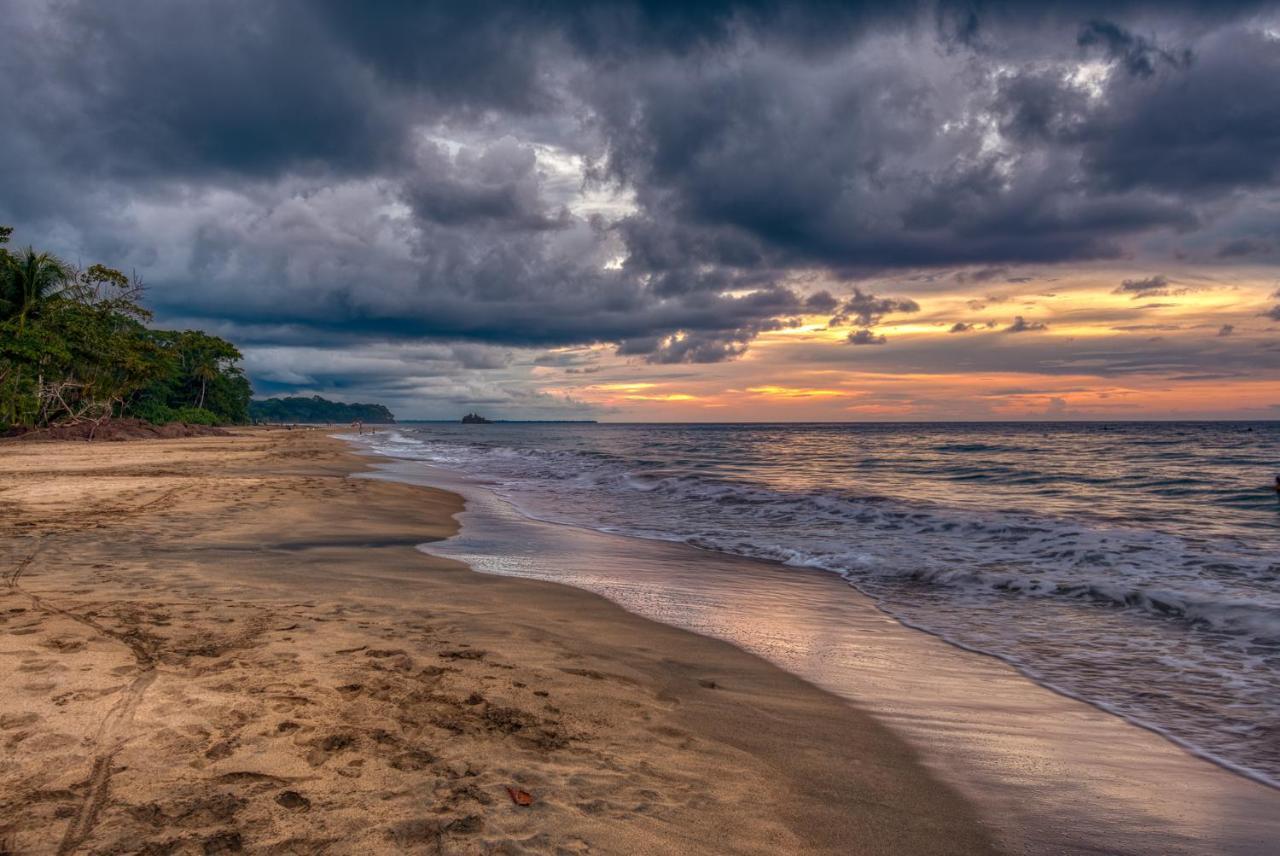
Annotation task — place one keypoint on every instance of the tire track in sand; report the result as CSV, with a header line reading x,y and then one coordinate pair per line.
x,y
113,730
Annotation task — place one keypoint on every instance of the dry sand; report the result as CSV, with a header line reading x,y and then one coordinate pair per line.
x,y
225,644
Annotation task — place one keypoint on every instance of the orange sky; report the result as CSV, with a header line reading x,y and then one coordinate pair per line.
x,y
1196,347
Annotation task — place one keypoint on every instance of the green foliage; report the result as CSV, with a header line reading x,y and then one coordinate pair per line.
x,y
74,346
204,375
315,410
29,281
197,416
154,412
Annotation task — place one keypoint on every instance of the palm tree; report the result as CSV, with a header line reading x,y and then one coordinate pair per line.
x,y
204,359
27,280
205,371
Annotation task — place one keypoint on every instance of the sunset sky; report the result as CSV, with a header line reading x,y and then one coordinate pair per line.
x,y
631,211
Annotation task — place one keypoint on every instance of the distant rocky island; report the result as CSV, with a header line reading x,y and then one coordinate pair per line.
x,y
317,410
477,419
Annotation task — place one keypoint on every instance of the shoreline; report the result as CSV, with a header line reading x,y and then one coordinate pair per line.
x,y
1053,774
229,643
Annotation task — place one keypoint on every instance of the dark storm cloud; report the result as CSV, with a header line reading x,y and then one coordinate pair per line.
x,y
346,174
783,159
498,185
238,90
1138,55
981,274
693,347
1149,138
1241,247
1166,126
729,324
761,160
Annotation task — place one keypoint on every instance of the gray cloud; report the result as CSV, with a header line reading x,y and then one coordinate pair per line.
x,y
1022,325
1243,247
821,302
865,337
1139,56
868,309
984,302
657,177
1153,286
496,185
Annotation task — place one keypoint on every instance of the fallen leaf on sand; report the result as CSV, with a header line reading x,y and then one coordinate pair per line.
x,y
520,797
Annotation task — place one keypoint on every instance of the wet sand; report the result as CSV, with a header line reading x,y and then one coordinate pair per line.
x,y
1052,775
229,645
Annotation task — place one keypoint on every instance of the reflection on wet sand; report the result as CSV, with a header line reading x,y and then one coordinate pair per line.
x,y
1052,774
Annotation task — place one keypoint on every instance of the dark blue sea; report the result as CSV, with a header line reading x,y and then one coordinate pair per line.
x,y
1132,565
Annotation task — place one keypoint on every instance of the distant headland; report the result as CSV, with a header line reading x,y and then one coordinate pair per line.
x,y
316,410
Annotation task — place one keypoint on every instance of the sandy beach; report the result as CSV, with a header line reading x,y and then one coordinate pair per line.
x,y
226,644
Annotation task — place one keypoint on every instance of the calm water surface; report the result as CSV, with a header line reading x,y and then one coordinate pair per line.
x,y
1133,565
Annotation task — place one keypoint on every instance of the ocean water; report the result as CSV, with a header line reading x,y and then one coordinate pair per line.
x,y
1135,566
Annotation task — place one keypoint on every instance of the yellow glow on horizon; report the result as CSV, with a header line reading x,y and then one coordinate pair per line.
x,y
796,392
911,328
622,387
671,396
805,328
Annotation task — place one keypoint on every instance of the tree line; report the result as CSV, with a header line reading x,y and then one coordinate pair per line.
x,y
75,346
317,410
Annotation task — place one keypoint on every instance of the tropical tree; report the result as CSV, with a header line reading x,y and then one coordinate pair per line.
x,y
203,383
29,280
204,358
75,347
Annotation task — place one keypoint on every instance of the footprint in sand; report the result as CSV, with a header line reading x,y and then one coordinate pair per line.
x,y
222,749
11,721
326,747
293,801
413,760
